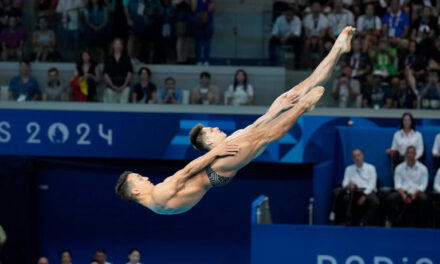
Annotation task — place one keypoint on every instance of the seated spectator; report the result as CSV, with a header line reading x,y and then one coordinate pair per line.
x,y
118,71
203,28
315,31
54,91
402,95
145,91
43,41
96,20
346,90
12,39
11,8
170,94
395,24
101,256
66,257
405,137
383,58
410,182
88,70
70,18
368,27
376,94
43,260
241,91
286,31
205,92
338,19
134,256
358,61
24,87
359,193
425,26
412,60
430,91
436,152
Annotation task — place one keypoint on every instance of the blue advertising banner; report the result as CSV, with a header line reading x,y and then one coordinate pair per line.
x,y
343,245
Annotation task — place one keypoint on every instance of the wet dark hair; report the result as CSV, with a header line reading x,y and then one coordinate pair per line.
x,y
122,188
245,79
146,69
205,74
413,125
196,138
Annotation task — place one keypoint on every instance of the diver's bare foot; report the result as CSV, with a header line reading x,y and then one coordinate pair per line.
x,y
343,42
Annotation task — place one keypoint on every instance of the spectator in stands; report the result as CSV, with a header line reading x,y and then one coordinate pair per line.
x,y
358,61
384,58
395,24
426,26
402,95
12,8
101,256
134,256
88,69
203,28
143,20
46,8
359,193
412,60
338,19
315,31
66,257
241,91
368,27
183,15
403,138
168,33
286,31
96,20
24,87
118,71
346,90
205,93
69,35
170,94
43,41
430,91
54,91
410,182
145,91
12,39
376,95
43,260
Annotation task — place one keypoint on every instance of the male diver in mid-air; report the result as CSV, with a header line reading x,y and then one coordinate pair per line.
x,y
226,155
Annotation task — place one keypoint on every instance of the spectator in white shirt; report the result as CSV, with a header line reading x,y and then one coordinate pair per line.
x,y
286,31
134,257
338,19
315,30
359,192
240,92
437,182
405,137
410,182
436,152
368,27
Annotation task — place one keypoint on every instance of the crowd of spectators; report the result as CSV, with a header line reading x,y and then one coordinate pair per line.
x,y
361,201
99,257
394,61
